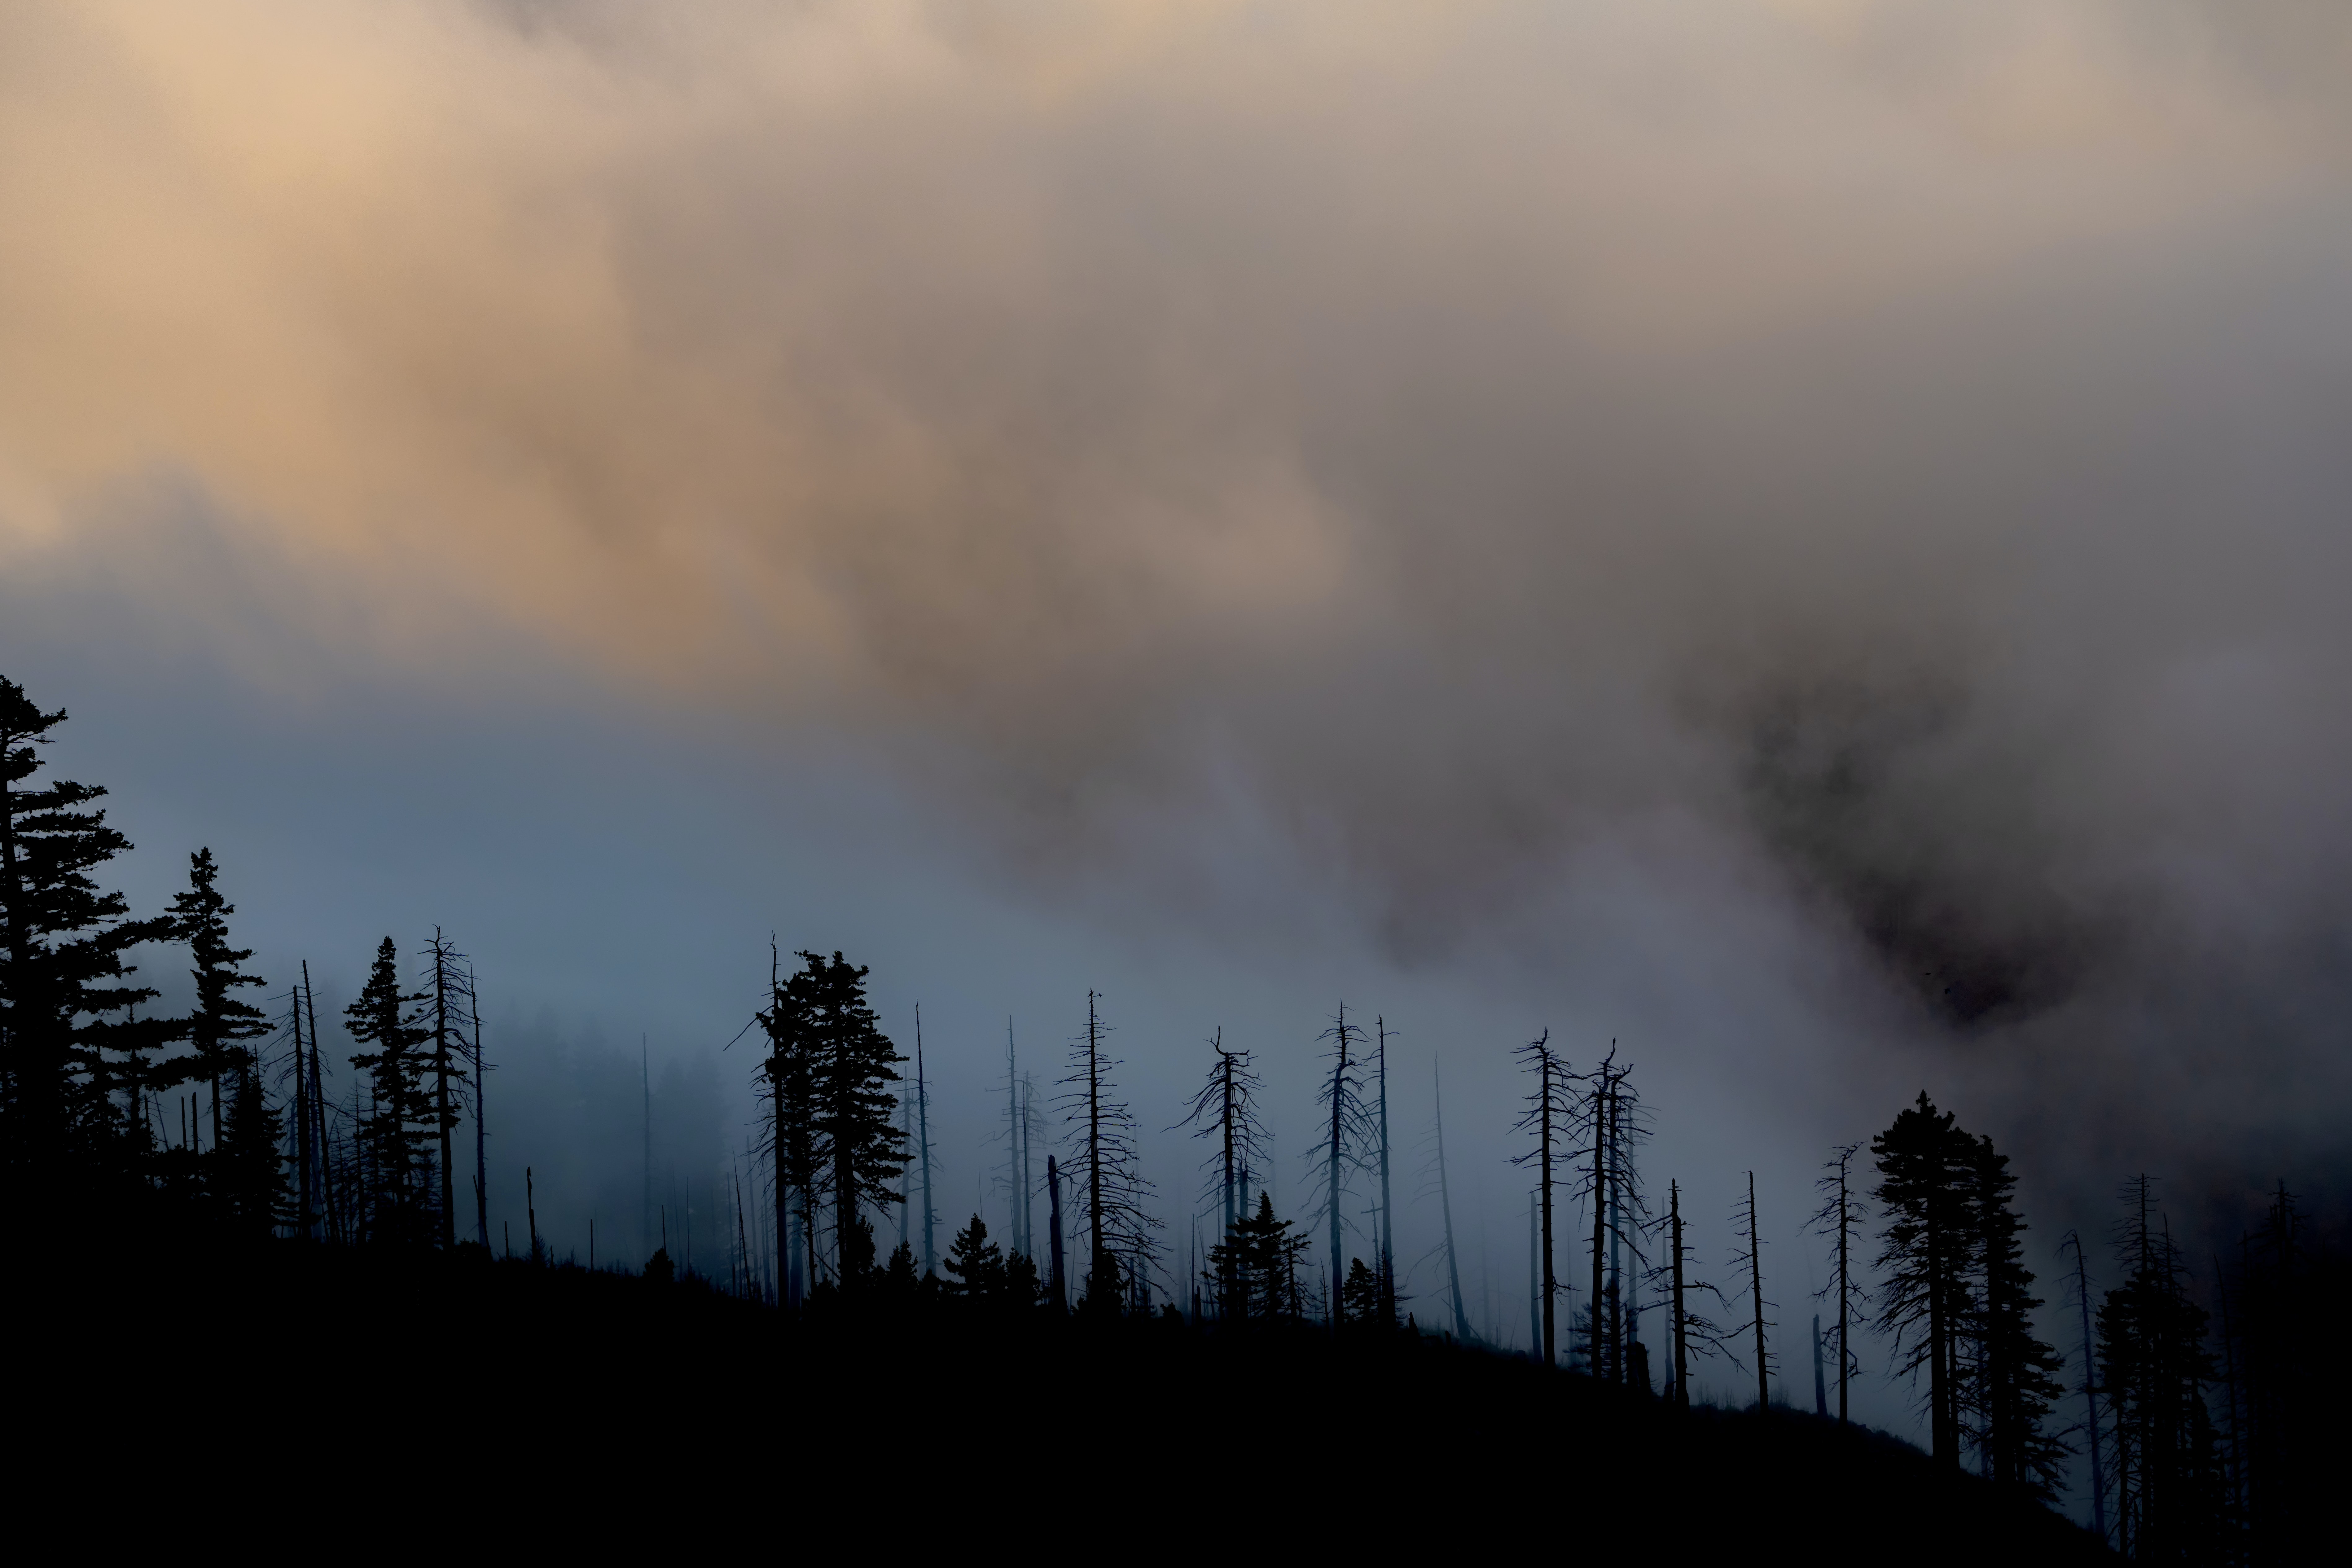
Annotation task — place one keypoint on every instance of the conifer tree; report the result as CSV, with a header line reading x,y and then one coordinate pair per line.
x,y
855,1066
1926,1168
251,1185
62,943
400,1122
223,1023
2155,1367
2018,1383
1263,1254
975,1265
789,1076
1360,1303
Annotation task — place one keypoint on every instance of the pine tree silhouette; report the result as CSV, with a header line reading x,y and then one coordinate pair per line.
x,y
62,943
400,1123
854,1068
223,1027
2017,1379
2155,1367
1926,1171
974,1266
1264,1256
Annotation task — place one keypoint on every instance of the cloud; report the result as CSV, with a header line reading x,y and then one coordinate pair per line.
x,y
1905,437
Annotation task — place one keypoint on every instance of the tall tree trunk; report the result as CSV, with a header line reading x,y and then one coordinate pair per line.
x,y
481,1128
1535,1274
1388,1225
1616,1319
1054,1232
1820,1388
1550,1277
1845,1283
1011,1141
1445,1205
335,1225
923,1130
785,1262
1028,1182
2090,1393
300,1112
1338,1108
1098,1258
1596,1315
441,1091
1225,1117
646,1147
1756,1285
1682,1336
1942,1437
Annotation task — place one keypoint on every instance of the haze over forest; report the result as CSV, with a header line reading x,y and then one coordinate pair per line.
x,y
1803,538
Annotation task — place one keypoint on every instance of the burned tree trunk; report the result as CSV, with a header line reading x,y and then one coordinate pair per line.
x,y
1054,1232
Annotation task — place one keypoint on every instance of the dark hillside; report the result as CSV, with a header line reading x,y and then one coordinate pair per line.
x,y
589,1391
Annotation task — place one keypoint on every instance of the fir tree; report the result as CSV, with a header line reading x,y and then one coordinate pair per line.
x,y
2154,1368
252,1190
222,1030
974,1265
1927,1173
2018,1382
62,943
399,1125
1261,1254
854,1067
789,1078
1361,1297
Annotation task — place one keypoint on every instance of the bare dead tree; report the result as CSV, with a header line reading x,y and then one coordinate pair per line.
x,y
449,987
1226,1107
1690,1328
1113,1191
1750,1255
1545,1107
1341,1097
1840,1216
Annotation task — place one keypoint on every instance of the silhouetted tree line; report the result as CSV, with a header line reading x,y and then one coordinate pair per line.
x,y
2200,1436
216,1118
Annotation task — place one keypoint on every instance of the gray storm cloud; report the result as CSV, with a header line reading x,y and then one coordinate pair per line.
x,y
1906,439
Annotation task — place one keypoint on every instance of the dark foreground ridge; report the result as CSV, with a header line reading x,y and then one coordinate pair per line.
x,y
319,1368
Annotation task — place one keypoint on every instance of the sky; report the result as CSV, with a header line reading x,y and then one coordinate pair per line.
x,y
1801,537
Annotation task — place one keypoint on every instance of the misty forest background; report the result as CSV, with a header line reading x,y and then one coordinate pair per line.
x,y
2154,1382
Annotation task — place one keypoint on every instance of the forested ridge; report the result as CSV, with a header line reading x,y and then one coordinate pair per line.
x,y
291,1186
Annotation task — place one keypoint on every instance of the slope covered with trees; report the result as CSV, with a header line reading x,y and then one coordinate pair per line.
x,y
218,1140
